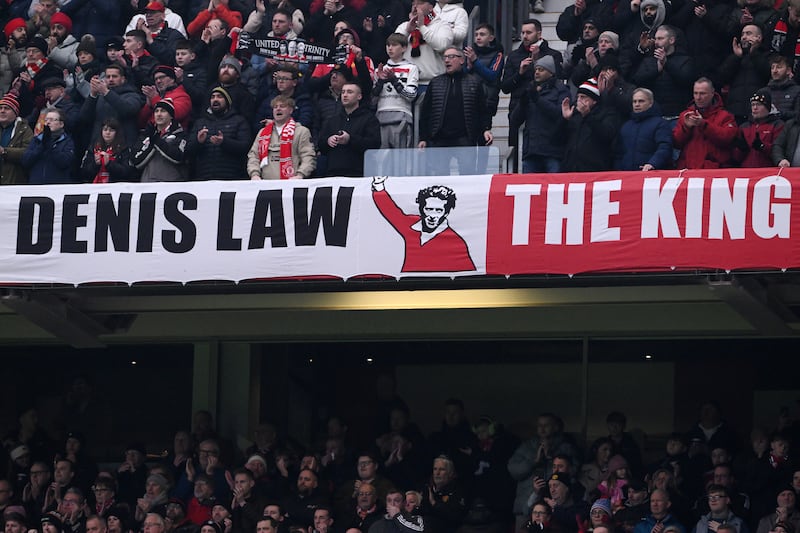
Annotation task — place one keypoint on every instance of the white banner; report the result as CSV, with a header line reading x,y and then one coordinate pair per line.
x,y
182,232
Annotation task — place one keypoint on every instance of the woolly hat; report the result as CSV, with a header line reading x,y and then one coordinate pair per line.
x,y
12,25
61,18
39,43
610,60
763,97
256,459
20,450
52,518
11,101
611,36
561,477
87,45
547,63
232,61
211,523
604,504
166,70
166,104
225,94
589,88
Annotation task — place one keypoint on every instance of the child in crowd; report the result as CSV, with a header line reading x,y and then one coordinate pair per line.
x,y
396,90
485,59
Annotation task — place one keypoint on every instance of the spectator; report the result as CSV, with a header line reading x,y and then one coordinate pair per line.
x,y
36,69
287,83
50,155
166,86
485,59
160,152
325,14
219,140
784,33
348,134
396,90
55,96
746,70
667,71
229,78
140,64
15,136
213,45
589,65
638,39
107,161
191,74
568,511
756,136
454,111
216,9
77,79
428,36
591,129
443,499
265,11
161,38
453,13
112,96
645,140
588,39
100,18
783,89
542,147
12,55
571,21
379,21
660,505
518,71
720,512
61,43
283,148
172,19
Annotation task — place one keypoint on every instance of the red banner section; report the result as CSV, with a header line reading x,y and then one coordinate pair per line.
x,y
643,221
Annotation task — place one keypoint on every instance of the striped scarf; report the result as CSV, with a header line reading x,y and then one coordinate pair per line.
x,y
287,137
779,39
416,36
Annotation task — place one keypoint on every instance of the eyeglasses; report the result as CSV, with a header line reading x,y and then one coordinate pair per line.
x,y
283,78
101,489
53,120
714,497
597,512
452,56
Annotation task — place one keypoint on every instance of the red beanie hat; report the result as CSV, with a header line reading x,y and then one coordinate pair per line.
x,y
12,25
61,18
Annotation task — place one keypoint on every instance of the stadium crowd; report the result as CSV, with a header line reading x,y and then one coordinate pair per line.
x,y
464,478
145,90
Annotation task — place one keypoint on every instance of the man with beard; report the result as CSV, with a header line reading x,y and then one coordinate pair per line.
x,y
113,96
637,40
229,78
219,141
161,39
431,245
12,56
784,34
61,42
282,150
202,502
301,505
667,72
166,86
746,71
518,72
348,134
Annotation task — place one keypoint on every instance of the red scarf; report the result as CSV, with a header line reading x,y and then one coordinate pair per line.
x,y
103,174
34,67
154,34
779,38
416,37
287,137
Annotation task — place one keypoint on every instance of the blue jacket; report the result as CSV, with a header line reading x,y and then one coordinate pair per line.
x,y
645,138
49,162
648,523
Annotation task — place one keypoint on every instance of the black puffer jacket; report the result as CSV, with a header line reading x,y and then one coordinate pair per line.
x,y
225,161
476,116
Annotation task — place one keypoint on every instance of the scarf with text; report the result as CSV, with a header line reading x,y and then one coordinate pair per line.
x,y
287,137
416,36
779,38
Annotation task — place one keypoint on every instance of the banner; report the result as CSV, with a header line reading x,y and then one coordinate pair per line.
x,y
399,226
297,51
